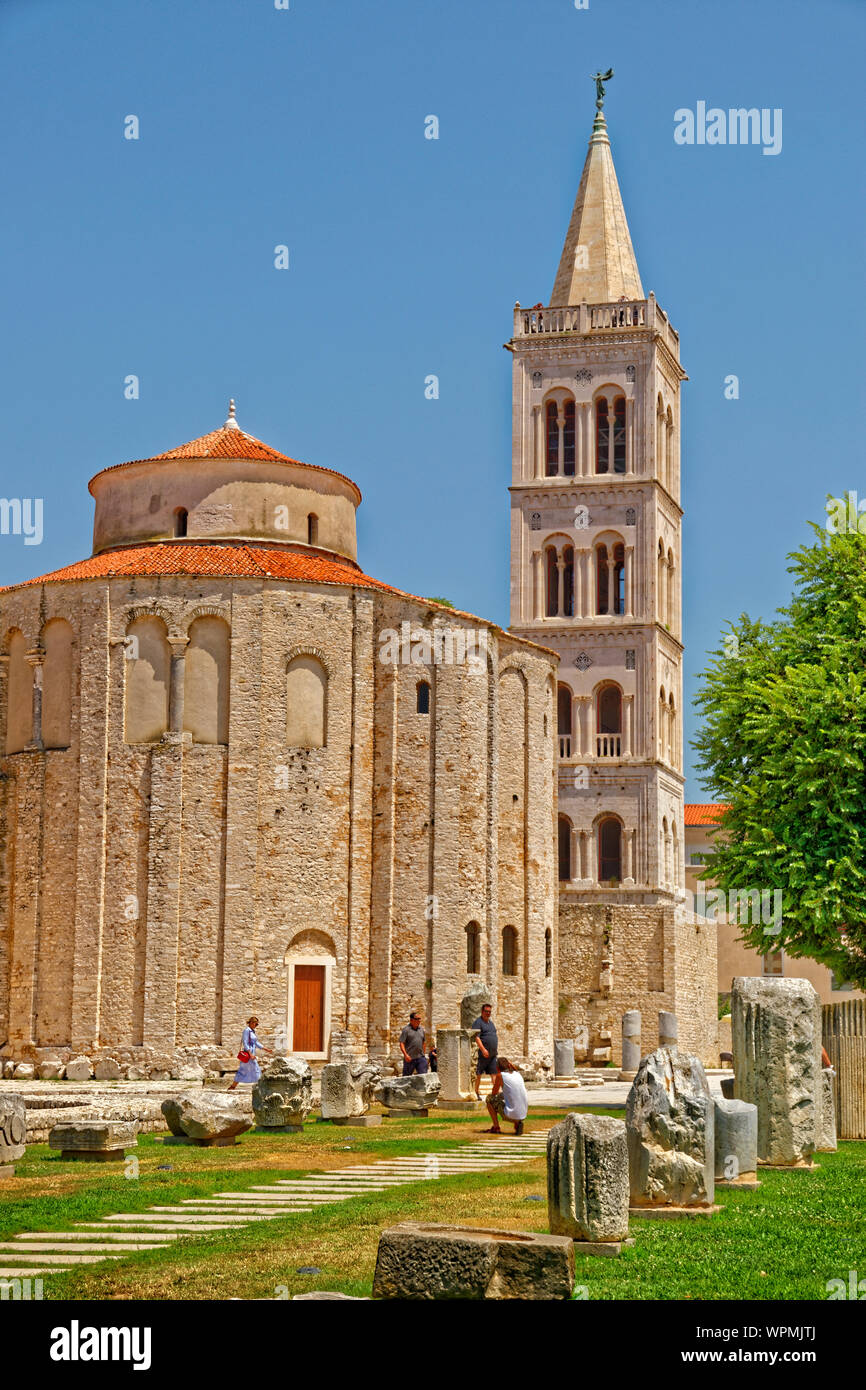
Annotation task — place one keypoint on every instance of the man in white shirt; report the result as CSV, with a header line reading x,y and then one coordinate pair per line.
x,y
508,1097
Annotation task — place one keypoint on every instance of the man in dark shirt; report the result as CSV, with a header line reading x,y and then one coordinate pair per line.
x,y
412,1041
488,1047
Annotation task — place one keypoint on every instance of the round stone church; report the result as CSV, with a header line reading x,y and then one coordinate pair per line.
x,y
240,775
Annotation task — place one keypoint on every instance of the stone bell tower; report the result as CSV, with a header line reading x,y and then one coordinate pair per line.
x,y
596,575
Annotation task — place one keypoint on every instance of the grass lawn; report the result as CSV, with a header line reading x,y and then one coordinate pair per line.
x,y
782,1242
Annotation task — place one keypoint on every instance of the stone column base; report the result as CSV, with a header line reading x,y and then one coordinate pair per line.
x,y
354,1121
603,1247
662,1212
471,1105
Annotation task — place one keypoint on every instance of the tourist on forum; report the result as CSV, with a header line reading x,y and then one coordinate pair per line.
x,y
249,1069
412,1040
508,1097
488,1046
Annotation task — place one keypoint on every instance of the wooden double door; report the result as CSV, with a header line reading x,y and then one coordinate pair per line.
x,y
308,1014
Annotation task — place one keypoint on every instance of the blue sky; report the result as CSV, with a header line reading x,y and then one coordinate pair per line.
x,y
305,127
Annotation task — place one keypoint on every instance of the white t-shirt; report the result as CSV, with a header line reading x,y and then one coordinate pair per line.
x,y
514,1091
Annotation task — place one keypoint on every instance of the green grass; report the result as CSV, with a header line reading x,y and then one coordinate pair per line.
x,y
783,1241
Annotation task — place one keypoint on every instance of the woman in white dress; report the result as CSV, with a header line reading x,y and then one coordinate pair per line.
x,y
249,1070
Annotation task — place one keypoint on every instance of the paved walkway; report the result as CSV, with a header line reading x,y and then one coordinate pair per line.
x,y
89,1242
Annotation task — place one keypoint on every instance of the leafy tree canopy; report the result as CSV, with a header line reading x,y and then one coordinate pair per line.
x,y
783,743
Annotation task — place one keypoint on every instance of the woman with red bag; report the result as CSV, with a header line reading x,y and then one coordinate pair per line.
x,y
249,1069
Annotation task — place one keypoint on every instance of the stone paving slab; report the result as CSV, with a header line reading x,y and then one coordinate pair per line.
x,y
29,1272
48,1258
48,1236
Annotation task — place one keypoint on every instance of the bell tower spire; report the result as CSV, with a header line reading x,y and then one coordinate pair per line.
x,y
598,264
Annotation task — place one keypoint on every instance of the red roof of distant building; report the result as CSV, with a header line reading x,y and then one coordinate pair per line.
x,y
238,561
709,813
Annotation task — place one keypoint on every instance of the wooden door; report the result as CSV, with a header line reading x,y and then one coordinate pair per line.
x,y
309,1015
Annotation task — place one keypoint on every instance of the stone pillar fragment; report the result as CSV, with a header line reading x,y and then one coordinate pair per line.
x,y
283,1095
776,1031
827,1125
13,1133
736,1143
630,1042
587,1178
347,1091
454,1052
563,1057
668,1029
670,1125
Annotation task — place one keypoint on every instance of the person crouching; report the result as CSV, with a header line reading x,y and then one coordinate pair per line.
x,y
508,1097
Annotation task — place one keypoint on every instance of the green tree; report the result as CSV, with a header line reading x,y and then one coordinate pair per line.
x,y
783,743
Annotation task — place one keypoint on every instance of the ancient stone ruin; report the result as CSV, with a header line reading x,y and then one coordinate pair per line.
x,y
454,1050
776,1028
736,1143
587,1180
13,1133
409,1095
348,1090
669,1119
283,1096
197,1117
94,1141
430,1262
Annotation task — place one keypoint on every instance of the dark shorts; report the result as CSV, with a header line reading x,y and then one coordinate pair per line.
x,y
417,1067
487,1066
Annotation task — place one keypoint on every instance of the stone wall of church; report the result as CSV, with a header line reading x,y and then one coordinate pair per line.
x,y
153,895
616,957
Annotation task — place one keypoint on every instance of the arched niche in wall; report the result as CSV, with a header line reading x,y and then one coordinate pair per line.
x,y
19,694
306,702
148,670
57,684
206,681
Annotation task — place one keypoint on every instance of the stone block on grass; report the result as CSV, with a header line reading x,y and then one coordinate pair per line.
x,y
670,1128
776,1028
96,1141
417,1261
283,1095
13,1133
203,1118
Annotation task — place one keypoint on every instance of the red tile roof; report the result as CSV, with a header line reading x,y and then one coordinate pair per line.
x,y
237,561
228,442
709,813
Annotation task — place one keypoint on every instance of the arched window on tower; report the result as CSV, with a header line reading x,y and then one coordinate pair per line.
x,y
548,952
564,848
609,850
568,437
660,441
609,721
602,580
619,435
619,580
422,697
563,720
672,730
602,436
670,587
568,582
509,951
663,723
473,949
662,585
181,518
552,431
312,529
552,582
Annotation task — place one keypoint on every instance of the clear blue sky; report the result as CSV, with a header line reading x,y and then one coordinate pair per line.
x,y
306,127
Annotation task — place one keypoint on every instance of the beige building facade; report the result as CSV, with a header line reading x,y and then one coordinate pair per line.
x,y
596,575
735,957
239,775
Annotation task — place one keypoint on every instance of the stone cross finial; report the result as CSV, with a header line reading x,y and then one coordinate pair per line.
x,y
599,78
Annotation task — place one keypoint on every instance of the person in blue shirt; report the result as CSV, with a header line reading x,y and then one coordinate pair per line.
x,y
488,1047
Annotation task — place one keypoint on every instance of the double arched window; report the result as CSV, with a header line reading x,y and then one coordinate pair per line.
x,y
610,434
560,436
559,581
610,578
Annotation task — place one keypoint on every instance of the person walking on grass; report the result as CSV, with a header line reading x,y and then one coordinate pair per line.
x,y
508,1097
412,1041
488,1047
249,1069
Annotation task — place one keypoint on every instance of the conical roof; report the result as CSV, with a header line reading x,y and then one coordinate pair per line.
x,y
598,263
